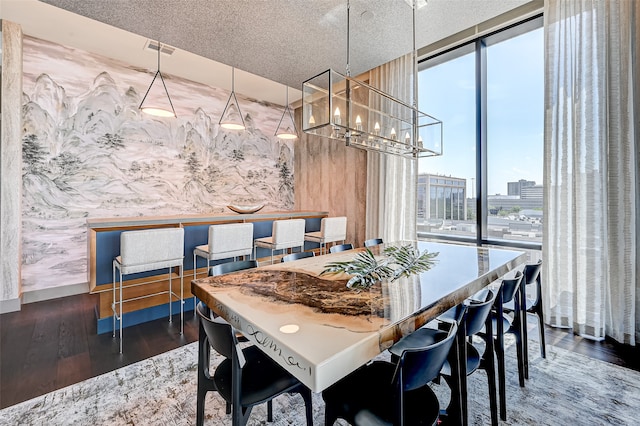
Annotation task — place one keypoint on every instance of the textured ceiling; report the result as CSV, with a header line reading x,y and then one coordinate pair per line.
x,y
272,43
288,41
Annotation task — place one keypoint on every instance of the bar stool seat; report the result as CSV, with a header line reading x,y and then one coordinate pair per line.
x,y
225,241
143,251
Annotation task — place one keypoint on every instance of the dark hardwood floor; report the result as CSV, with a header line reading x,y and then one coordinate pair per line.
x,y
52,344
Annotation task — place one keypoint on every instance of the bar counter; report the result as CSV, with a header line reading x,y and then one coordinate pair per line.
x,y
103,244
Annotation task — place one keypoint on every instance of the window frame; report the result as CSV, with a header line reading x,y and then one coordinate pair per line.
x,y
479,46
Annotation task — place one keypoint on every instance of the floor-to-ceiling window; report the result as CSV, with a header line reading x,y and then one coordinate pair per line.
x,y
487,186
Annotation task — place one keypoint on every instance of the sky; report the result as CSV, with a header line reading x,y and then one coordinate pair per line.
x,y
515,113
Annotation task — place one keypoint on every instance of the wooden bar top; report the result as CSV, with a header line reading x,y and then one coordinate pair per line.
x,y
119,222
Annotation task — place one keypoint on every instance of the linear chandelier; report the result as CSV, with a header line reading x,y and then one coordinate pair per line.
x,y
157,110
339,107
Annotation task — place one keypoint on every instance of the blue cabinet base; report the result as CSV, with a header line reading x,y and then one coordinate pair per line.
x,y
105,325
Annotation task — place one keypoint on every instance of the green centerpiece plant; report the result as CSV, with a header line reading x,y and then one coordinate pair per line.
x,y
397,261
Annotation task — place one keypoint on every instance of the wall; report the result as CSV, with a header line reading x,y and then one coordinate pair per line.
x,y
89,152
332,177
11,89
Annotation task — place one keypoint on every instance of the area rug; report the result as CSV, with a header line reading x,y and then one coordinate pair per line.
x,y
565,388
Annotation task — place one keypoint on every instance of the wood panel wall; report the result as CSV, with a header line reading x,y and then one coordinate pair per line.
x,y
330,176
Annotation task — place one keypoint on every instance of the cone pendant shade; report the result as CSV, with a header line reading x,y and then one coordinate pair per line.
x,y
287,127
159,103
231,116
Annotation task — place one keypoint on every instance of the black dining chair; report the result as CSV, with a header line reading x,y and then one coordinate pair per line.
x,y
428,335
229,267
384,393
246,377
340,247
504,323
477,319
297,256
531,304
205,384
373,242
473,316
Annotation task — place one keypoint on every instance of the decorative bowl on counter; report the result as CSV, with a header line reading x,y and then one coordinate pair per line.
x,y
246,209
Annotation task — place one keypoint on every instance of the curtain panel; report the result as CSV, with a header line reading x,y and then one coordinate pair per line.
x,y
392,183
591,167
392,180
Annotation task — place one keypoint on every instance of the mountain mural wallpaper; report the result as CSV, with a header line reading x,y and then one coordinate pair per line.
x,y
88,152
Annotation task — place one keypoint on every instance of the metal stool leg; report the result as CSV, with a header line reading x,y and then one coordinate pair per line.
x,y
113,303
182,300
120,313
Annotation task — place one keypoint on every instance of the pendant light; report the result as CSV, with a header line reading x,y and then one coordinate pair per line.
x,y
154,110
231,116
287,127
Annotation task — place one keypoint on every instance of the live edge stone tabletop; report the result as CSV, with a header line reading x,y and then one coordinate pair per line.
x,y
320,330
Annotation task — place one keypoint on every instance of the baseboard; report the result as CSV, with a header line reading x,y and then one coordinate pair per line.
x,y
10,305
41,294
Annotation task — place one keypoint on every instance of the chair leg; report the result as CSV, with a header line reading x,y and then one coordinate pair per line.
x,y
305,392
330,414
205,383
520,357
457,410
540,313
270,410
490,368
499,350
522,314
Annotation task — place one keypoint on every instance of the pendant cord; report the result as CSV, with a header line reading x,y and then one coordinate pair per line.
x,y
415,60
233,79
348,36
158,55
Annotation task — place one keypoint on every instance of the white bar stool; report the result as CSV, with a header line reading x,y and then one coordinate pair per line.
x,y
225,241
285,234
148,250
332,229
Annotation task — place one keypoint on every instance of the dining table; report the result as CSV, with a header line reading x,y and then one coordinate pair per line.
x,y
320,330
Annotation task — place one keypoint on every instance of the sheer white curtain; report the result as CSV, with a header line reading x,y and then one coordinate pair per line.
x,y
591,167
392,180
392,186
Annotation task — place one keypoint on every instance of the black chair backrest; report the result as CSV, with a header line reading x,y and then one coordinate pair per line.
x,y
510,287
227,268
373,242
220,334
478,311
341,247
296,256
454,314
532,272
419,366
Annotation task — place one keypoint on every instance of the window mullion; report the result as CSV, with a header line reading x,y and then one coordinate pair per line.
x,y
481,141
